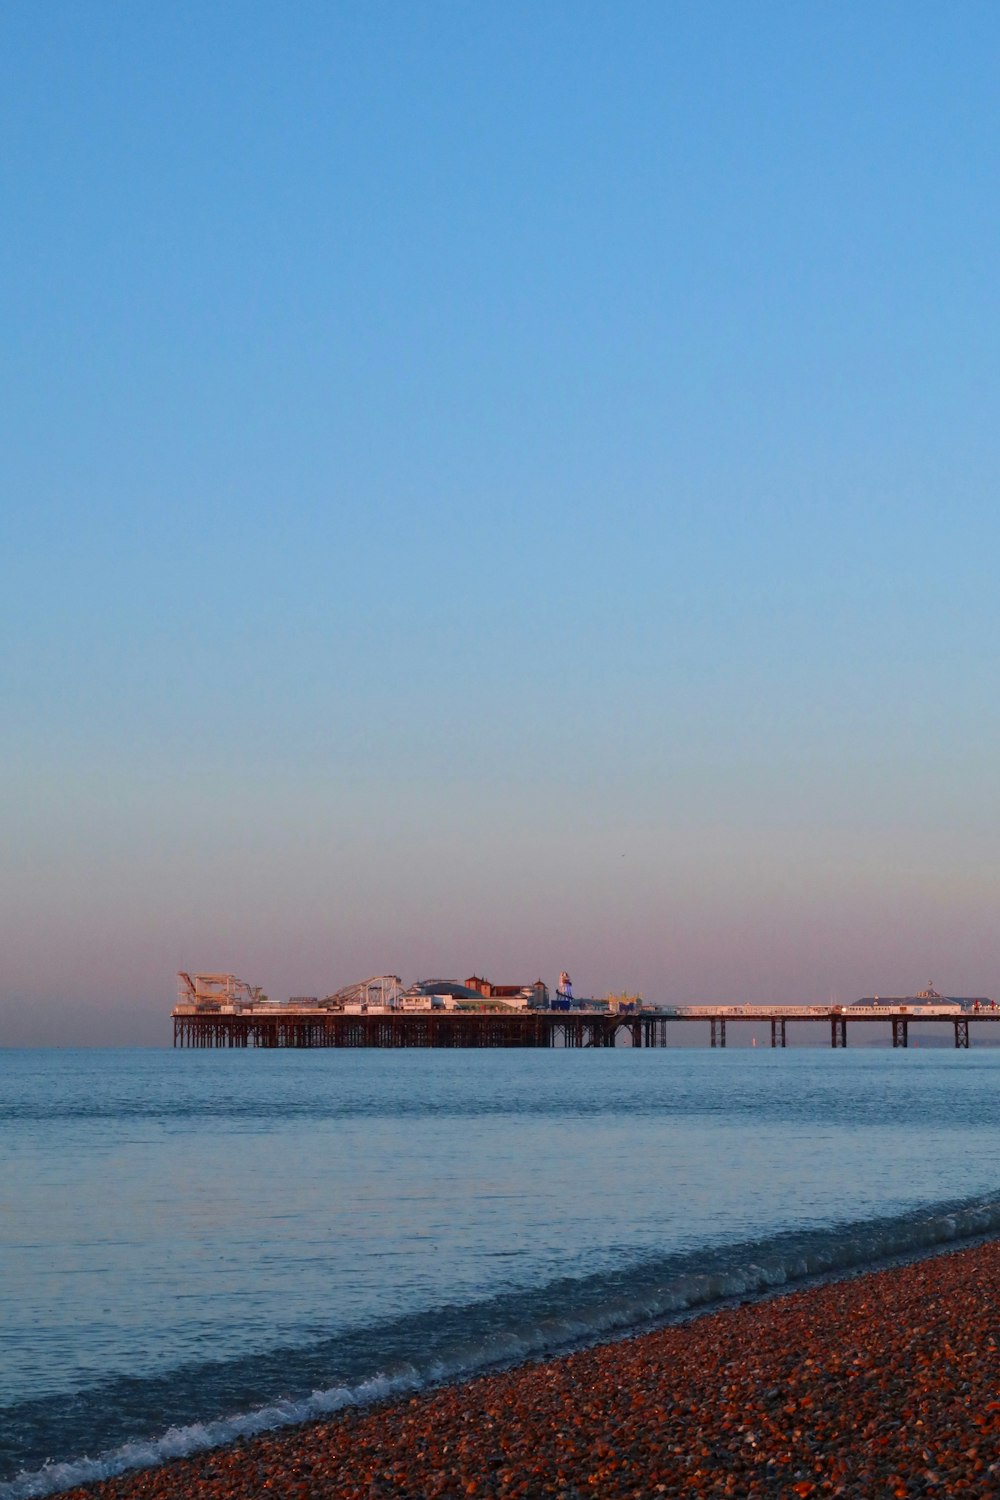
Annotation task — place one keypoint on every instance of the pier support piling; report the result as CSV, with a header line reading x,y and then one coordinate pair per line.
x,y
286,1027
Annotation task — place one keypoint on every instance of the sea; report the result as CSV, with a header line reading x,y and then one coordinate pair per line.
x,y
201,1245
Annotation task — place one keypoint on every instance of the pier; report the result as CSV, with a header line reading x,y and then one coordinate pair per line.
x,y
285,1026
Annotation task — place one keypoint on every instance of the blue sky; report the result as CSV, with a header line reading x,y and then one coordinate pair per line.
x,y
500,488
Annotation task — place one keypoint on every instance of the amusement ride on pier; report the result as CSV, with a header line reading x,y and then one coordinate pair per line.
x,y
219,1010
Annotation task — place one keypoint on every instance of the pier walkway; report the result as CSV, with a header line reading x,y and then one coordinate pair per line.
x,y
283,1026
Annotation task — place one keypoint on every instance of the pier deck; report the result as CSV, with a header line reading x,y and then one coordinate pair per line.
x,y
285,1027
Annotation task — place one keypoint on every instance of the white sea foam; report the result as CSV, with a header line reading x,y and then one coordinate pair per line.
x,y
852,1248
181,1442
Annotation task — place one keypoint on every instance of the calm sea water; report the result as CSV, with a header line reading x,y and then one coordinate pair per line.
x,y
198,1244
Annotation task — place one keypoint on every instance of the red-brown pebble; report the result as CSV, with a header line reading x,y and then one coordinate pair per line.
x,y
885,1385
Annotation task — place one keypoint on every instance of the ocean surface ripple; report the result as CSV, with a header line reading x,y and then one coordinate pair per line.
x,y
196,1246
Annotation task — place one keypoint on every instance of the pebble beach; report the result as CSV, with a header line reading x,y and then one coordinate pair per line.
x,y
882,1385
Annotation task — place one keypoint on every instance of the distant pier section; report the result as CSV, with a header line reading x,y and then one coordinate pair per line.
x,y
219,1010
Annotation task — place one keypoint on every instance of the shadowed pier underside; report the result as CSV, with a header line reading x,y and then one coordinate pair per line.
x,y
314,1028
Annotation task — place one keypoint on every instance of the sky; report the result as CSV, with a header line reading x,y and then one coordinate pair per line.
x,y
496,488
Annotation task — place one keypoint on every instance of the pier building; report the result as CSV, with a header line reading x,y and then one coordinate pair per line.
x,y
536,994
927,997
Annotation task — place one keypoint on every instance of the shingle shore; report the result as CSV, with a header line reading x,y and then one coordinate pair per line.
x,y
884,1385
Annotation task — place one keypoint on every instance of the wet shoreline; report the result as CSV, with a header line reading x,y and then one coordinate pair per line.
x,y
880,1384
